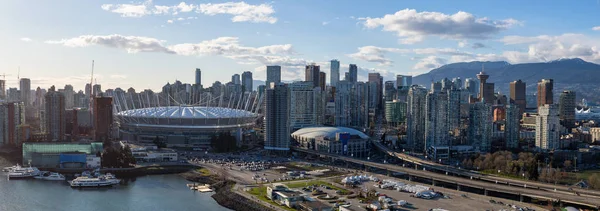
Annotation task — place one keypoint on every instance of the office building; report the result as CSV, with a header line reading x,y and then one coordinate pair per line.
x,y
235,79
247,81
334,74
103,118
273,75
25,89
566,108
55,115
416,116
352,73
97,90
471,86
12,116
436,120
486,90
69,94
375,91
547,128
311,73
480,126
403,81
389,91
304,107
277,122
2,89
395,112
518,95
544,92
198,81
322,80
512,126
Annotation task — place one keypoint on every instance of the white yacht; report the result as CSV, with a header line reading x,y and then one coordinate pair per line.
x,y
52,176
42,174
8,169
101,181
23,172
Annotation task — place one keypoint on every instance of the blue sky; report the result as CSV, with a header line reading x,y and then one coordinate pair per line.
x,y
144,44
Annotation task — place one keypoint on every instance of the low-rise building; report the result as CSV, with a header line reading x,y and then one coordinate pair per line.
x,y
59,154
314,206
336,140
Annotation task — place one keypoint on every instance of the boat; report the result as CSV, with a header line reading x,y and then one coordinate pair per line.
x,y
8,169
42,174
110,177
23,172
54,177
81,182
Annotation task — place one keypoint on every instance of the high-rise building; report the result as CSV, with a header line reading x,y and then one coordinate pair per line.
x,y
69,94
2,89
88,90
198,81
436,120
273,75
322,80
311,73
547,128
395,112
375,94
403,81
334,74
486,90
235,79
389,91
304,106
247,81
351,104
455,99
416,116
512,126
544,92
457,83
103,118
480,126
471,86
566,108
12,115
517,95
277,122
436,86
446,84
25,88
55,115
352,73
97,90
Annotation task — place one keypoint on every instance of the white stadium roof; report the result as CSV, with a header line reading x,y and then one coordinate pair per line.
x,y
186,112
328,132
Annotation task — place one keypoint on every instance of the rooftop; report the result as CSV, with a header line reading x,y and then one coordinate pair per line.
x,y
186,112
328,132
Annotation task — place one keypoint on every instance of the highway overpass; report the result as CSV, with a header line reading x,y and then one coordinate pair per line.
x,y
477,176
557,196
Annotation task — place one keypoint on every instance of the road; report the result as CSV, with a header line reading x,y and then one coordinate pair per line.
x,y
534,193
494,179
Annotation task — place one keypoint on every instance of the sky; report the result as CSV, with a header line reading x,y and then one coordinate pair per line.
x,y
145,44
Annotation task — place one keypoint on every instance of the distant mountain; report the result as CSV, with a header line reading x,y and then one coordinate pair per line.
x,y
568,74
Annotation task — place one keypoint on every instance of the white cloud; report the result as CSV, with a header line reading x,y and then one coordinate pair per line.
x,y
180,19
377,54
597,28
325,23
226,46
169,21
117,76
412,26
546,48
462,44
430,62
241,11
26,39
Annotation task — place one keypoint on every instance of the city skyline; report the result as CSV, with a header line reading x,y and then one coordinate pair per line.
x,y
137,44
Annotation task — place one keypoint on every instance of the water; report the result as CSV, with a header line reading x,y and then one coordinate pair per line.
x,y
154,192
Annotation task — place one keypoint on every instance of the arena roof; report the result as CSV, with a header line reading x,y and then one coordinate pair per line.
x,y
329,132
186,112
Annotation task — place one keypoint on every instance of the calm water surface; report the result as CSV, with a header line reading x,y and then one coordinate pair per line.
x,y
154,192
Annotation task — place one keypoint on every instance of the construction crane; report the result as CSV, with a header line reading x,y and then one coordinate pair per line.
x,y
4,76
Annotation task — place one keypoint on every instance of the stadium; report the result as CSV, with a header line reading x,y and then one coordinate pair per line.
x,y
183,126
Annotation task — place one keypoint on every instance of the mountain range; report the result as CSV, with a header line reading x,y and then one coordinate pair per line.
x,y
568,74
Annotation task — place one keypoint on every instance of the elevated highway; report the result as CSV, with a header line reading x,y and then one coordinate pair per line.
x,y
487,178
567,197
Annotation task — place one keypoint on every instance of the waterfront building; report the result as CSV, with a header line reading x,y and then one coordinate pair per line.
x,y
277,121
395,112
518,95
545,94
512,126
311,73
480,126
566,108
416,116
60,154
247,81
25,89
547,128
12,115
55,115
335,140
103,117
334,74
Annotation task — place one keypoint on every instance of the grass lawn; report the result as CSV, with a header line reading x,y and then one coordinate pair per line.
x,y
261,193
203,171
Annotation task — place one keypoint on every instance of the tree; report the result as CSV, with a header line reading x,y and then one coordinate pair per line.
x,y
567,164
594,181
